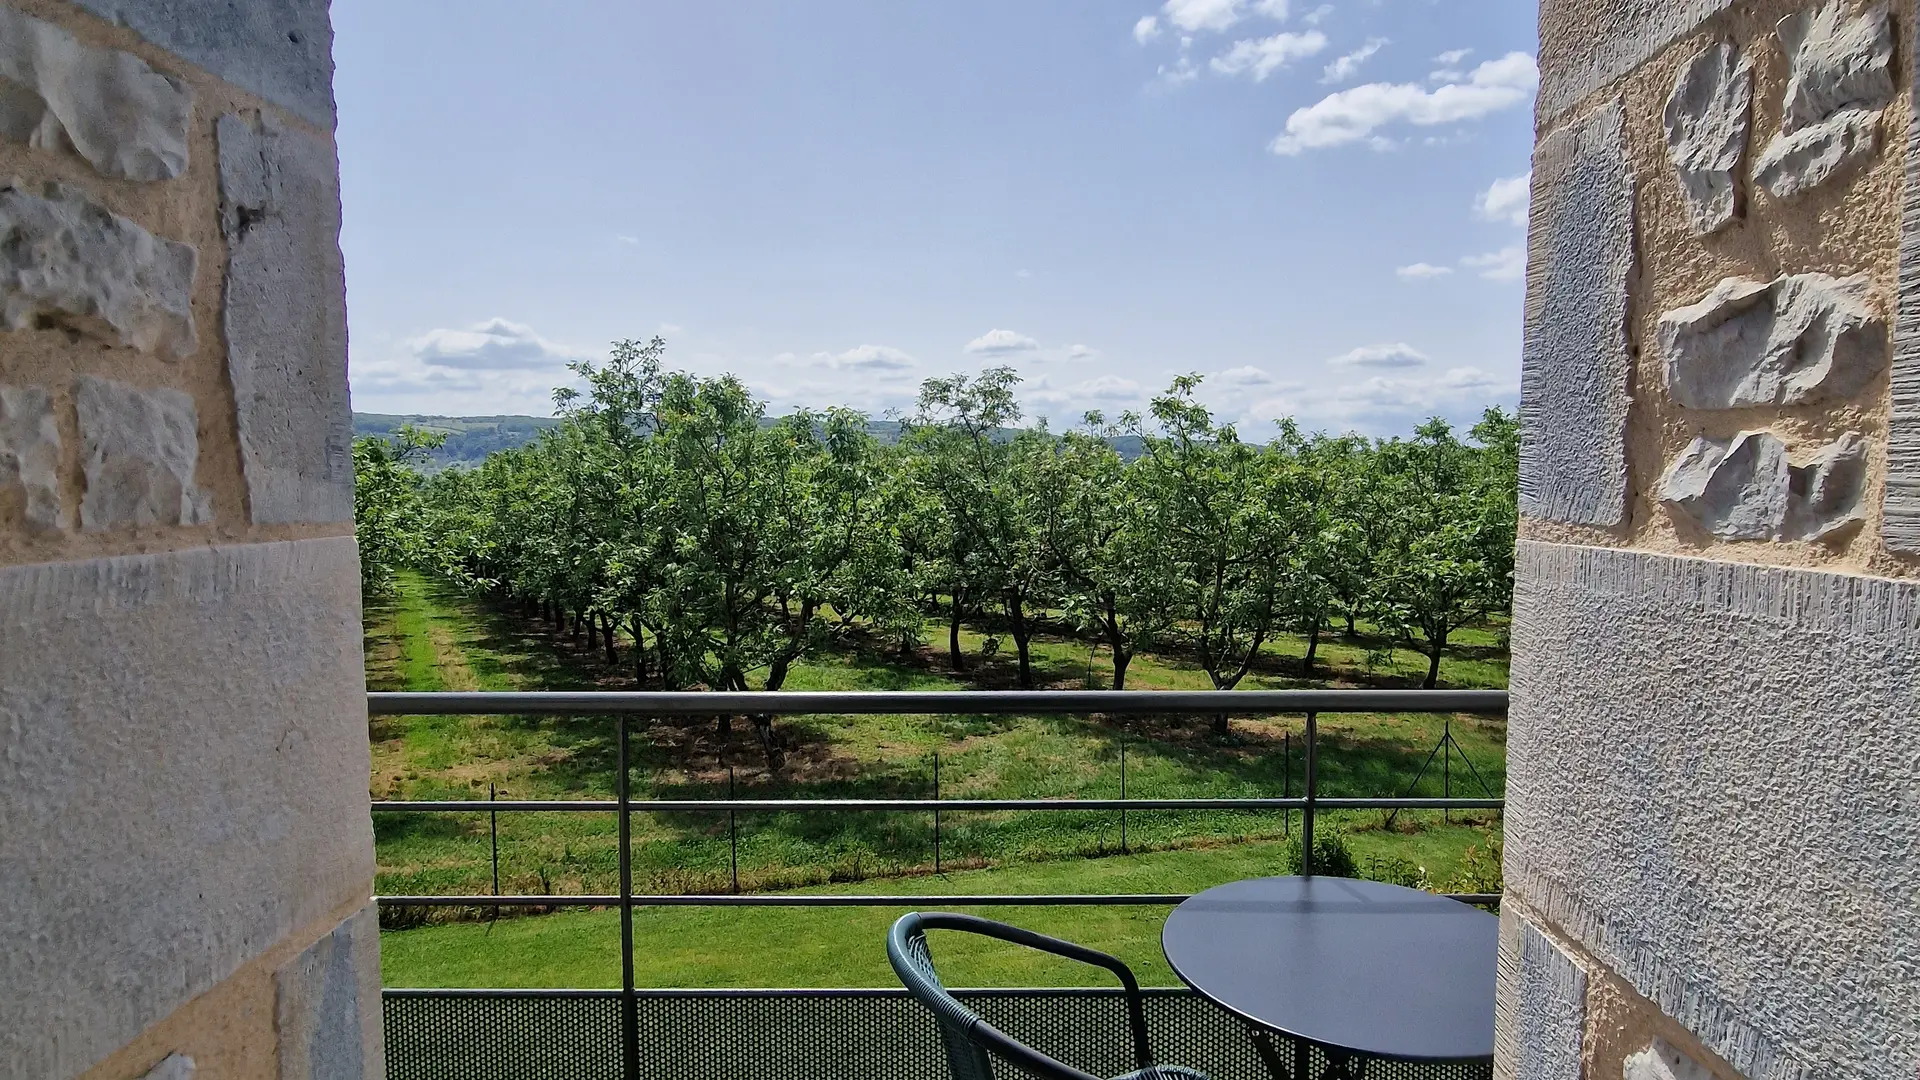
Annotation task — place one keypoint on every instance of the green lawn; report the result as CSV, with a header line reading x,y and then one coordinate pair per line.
x,y
844,947
428,637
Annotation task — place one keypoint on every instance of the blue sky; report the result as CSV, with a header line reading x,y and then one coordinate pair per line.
x,y
1319,206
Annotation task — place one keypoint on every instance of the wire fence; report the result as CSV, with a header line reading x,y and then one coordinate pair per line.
x,y
448,1034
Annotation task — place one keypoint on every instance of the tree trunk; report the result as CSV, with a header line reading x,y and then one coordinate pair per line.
x,y
1220,724
1433,667
1352,631
639,653
1022,641
606,635
593,631
954,659
1313,646
1121,658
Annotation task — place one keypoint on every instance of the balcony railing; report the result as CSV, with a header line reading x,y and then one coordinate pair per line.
x,y
841,1034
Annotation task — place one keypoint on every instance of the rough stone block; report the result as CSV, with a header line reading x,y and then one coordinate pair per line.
x,y
1803,339
286,321
128,120
1901,509
1660,1061
1713,770
1542,1006
1577,356
1586,44
1707,119
279,49
30,454
172,1067
327,1005
183,778
1744,488
67,260
140,450
1841,80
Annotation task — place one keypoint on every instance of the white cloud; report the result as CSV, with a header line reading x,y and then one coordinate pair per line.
x,y
1023,274
1356,114
1380,404
1397,355
873,359
630,241
1505,200
1507,264
1183,70
1081,352
1346,67
1452,57
1146,29
1109,388
1272,9
1263,56
1001,343
1421,271
1243,377
494,345
1317,15
1196,15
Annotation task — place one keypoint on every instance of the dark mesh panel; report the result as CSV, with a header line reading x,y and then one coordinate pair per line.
x,y
809,1035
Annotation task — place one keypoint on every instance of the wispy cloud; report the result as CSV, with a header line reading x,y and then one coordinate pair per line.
x,y
1396,355
1422,271
1261,57
1146,29
872,359
1449,61
1081,352
1318,15
494,345
1001,343
1507,264
1346,67
1505,200
1359,113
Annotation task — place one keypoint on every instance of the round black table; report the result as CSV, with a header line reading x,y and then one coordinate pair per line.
x,y
1358,968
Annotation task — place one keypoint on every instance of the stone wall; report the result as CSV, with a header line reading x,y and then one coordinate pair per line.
x,y
184,841
1713,837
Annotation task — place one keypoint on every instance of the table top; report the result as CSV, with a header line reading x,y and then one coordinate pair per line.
x,y
1358,966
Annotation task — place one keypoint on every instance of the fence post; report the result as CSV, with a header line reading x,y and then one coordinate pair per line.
x,y
629,1001
936,812
493,837
1286,781
1313,779
1446,768
1123,795
733,832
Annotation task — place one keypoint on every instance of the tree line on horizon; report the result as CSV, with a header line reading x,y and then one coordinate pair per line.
x,y
728,548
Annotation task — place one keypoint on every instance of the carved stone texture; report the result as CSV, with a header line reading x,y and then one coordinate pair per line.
x,y
1711,769
140,448
1660,1061
1842,79
1707,119
172,1067
279,49
1744,488
68,261
30,454
286,321
1577,357
327,1005
1541,1004
1802,339
1587,44
128,120
1900,521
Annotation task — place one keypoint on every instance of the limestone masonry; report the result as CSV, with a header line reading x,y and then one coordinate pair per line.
x,y
186,852
1712,865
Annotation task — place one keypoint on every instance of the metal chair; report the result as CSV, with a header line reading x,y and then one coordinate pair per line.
x,y
971,1042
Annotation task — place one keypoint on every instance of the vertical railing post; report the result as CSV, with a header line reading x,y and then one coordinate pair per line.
x,y
1313,785
493,839
733,832
1286,781
1446,768
936,812
629,1001
1123,795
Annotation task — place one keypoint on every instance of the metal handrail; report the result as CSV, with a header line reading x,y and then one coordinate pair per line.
x,y
623,706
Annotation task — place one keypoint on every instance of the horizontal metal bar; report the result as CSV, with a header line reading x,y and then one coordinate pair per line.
x,y
832,900
719,806
783,703
778,992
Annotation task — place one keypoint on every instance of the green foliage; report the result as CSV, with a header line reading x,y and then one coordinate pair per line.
x,y
727,546
387,510
1480,869
1331,855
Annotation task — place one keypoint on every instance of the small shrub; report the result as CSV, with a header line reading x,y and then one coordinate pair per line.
x,y
990,645
1395,870
1331,856
1480,869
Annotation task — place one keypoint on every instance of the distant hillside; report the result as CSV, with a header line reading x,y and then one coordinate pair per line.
x,y
471,438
